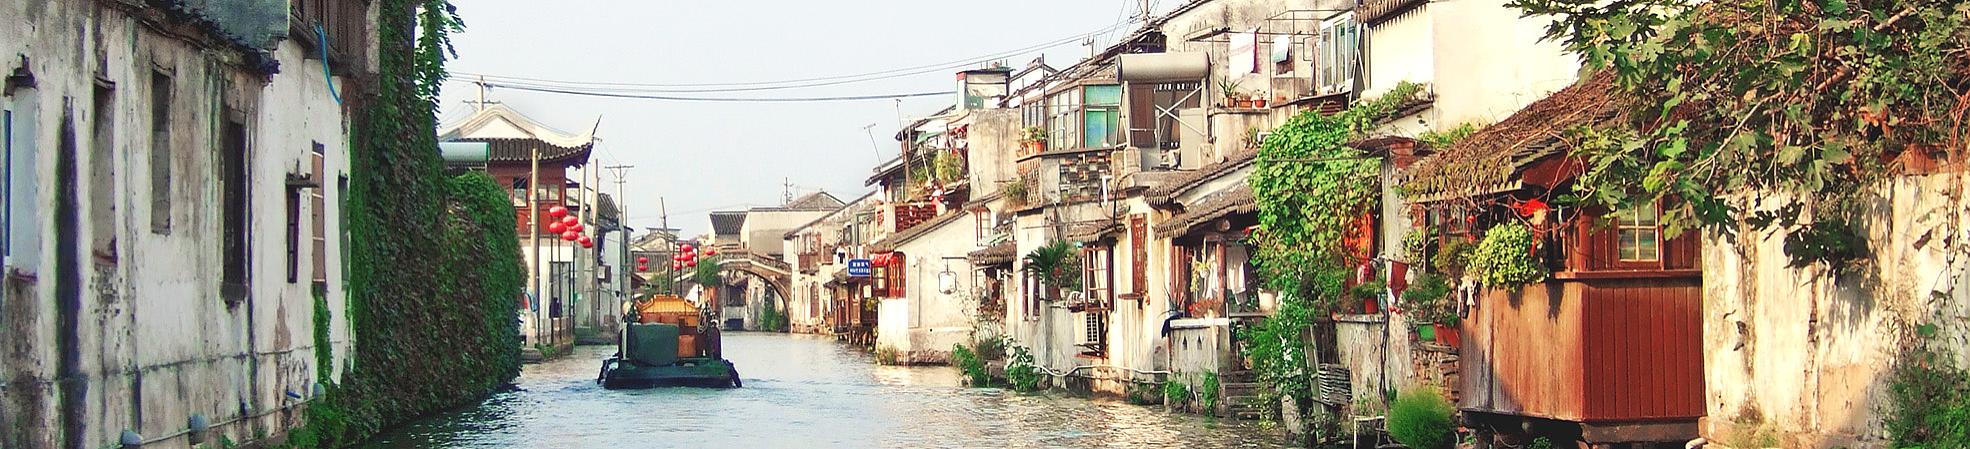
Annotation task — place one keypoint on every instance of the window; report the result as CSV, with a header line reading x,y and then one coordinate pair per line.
x,y
1637,237
982,224
234,238
1339,54
318,205
1064,119
1155,117
1139,255
1094,335
887,275
1102,123
1096,279
6,187
293,234
160,153
102,173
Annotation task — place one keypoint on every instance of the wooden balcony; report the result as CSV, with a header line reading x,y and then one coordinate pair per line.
x,y
345,24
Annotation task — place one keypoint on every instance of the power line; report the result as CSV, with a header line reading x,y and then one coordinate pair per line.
x,y
720,99
831,80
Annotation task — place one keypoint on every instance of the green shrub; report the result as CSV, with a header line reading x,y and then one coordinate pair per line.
x,y
973,367
1930,402
1420,419
1452,256
1021,371
1504,258
1428,300
1207,394
1174,392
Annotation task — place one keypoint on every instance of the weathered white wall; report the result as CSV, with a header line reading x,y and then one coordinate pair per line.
x,y
154,343
929,321
1400,48
1490,62
1803,354
764,229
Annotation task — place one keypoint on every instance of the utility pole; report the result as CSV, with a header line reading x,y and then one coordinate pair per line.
x,y
786,191
622,211
1144,4
533,234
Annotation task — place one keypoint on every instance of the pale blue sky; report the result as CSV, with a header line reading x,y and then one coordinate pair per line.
x,y
718,156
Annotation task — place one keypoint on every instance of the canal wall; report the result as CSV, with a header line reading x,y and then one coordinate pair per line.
x,y
123,319
1804,356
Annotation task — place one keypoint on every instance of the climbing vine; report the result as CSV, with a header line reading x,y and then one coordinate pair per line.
x,y
1815,100
434,273
1505,257
1313,192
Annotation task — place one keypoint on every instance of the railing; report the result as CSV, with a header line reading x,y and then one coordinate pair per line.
x,y
911,215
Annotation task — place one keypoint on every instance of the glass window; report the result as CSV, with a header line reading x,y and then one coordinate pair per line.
x,y
1638,238
1339,52
1064,120
1101,119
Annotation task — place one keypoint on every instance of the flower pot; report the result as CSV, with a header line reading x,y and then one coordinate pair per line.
x,y
1258,102
1036,147
1245,102
1450,335
1426,332
1368,306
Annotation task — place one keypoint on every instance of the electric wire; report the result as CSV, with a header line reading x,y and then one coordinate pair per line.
x,y
719,99
778,84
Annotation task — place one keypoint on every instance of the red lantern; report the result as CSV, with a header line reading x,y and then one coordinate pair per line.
x,y
679,257
570,236
690,263
711,251
585,243
570,220
677,265
642,268
642,260
575,227
688,248
556,228
557,212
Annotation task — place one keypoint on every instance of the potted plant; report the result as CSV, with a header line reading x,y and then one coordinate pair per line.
x,y
1244,100
1229,90
1370,294
1427,299
1035,139
1257,101
1057,266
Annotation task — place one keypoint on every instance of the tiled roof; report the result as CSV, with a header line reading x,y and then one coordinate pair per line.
x,y
727,223
898,239
521,150
605,206
814,201
1236,199
1371,11
1490,160
1166,193
1002,253
1092,230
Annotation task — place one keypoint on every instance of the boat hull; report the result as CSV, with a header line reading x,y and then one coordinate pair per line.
x,y
704,372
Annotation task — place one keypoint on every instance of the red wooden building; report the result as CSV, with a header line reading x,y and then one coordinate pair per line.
x,y
1607,350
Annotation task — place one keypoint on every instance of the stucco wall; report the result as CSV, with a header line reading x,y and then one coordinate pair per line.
x,y
932,320
1804,354
149,340
764,230
1490,62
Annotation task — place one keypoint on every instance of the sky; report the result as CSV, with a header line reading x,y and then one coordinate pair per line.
x,y
703,156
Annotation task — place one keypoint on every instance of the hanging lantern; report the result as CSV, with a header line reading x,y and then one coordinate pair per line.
x,y
679,257
575,227
691,263
556,228
642,260
711,251
585,241
642,268
570,236
677,265
570,220
688,248
557,212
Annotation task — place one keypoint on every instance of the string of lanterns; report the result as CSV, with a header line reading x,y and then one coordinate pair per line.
x,y
686,257
567,226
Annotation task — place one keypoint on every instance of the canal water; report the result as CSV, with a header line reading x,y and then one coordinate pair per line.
x,y
804,392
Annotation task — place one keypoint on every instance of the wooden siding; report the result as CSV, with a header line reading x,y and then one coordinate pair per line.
x,y
1600,350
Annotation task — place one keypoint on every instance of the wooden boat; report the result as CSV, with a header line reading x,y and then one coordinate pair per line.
x,y
666,345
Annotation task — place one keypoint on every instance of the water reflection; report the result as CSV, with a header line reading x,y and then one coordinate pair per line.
x,y
803,392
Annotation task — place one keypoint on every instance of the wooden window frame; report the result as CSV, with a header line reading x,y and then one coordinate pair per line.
x,y
1098,273
1620,226
236,191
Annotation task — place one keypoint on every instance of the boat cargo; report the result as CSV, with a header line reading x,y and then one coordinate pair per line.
x,y
666,345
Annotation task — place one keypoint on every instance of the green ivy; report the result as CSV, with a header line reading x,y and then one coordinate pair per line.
x,y
434,272
1311,188
706,273
1804,100
1505,257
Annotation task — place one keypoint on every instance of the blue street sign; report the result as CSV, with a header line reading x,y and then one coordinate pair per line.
x,y
858,268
